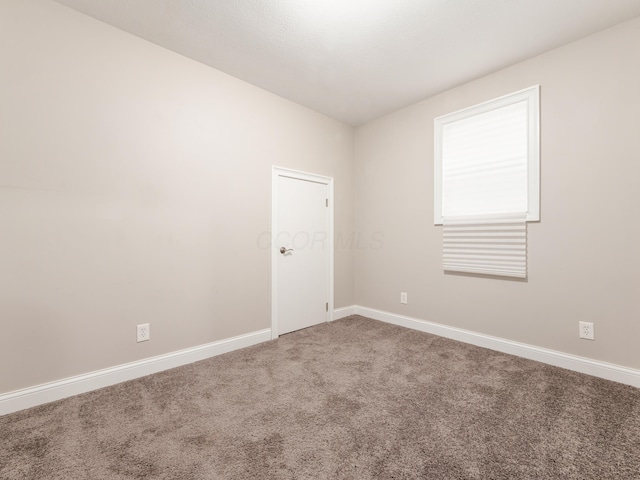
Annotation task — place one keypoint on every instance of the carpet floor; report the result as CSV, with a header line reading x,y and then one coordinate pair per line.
x,y
352,399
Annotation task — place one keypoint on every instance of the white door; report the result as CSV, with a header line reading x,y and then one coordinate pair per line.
x,y
302,251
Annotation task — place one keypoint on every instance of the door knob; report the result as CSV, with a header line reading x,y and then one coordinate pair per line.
x,y
285,250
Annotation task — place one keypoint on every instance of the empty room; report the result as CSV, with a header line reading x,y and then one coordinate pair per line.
x,y
338,239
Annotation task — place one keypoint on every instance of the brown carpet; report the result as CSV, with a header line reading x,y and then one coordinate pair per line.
x,y
354,399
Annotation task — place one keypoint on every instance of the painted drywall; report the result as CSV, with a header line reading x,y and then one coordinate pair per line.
x,y
135,187
583,256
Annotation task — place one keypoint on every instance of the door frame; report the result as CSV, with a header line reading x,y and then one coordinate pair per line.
x,y
277,172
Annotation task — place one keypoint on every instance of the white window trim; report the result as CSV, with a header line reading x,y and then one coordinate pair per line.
x,y
532,96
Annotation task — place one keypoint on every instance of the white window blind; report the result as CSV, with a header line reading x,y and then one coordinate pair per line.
x,y
487,170
486,244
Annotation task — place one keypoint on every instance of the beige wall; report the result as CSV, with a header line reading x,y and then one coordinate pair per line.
x,y
583,254
134,185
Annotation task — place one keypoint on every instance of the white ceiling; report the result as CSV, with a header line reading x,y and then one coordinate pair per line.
x,y
355,60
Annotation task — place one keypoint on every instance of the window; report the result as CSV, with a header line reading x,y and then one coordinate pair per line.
x,y
487,158
487,184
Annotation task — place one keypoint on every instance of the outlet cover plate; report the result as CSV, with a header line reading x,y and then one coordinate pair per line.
x,y
586,331
142,332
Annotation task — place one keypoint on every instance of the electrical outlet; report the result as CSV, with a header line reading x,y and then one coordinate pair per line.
x,y
142,332
586,331
403,297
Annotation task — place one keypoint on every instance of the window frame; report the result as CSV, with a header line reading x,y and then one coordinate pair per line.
x,y
532,96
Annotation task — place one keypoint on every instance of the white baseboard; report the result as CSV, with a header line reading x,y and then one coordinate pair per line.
x,y
596,368
343,312
49,392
